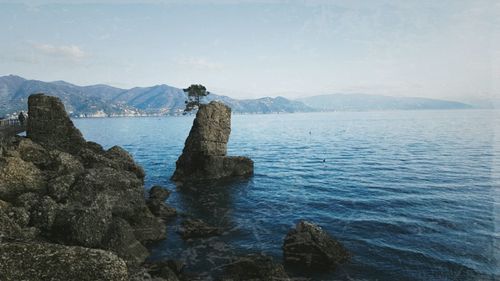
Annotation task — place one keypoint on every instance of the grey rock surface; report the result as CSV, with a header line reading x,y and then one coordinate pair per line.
x,y
309,246
52,262
205,151
254,267
50,126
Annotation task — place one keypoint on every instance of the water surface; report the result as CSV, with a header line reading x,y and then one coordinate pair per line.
x,y
414,195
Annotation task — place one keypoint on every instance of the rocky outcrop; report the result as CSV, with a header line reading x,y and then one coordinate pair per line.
x,y
309,246
157,205
254,267
50,125
57,188
205,152
42,261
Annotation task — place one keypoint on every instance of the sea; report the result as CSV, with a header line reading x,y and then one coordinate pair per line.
x,y
413,195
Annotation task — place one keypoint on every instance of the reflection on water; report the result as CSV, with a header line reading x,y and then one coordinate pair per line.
x,y
413,195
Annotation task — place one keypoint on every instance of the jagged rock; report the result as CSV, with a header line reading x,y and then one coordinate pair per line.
x,y
310,247
121,240
120,190
158,193
146,226
50,126
204,155
43,213
163,270
82,225
18,177
32,152
195,228
8,228
58,187
125,161
27,200
157,205
254,267
40,261
18,215
64,163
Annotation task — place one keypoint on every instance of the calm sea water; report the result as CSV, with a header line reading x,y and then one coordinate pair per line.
x,y
414,195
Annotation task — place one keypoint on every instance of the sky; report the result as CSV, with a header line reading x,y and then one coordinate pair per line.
x,y
448,49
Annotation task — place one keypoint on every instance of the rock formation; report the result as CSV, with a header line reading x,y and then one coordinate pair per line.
x,y
205,152
254,267
310,247
78,209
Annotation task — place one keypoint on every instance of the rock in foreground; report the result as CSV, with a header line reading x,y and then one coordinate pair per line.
x,y
40,261
57,188
254,267
310,247
205,152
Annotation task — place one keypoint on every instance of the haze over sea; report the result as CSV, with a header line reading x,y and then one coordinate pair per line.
x,y
414,195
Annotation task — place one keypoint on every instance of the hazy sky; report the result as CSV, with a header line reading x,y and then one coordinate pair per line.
x,y
441,49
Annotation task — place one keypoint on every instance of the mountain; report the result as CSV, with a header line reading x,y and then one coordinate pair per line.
x,y
104,100
363,102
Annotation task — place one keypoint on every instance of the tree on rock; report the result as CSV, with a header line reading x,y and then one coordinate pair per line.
x,y
195,93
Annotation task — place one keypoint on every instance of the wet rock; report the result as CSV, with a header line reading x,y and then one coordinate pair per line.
x,y
195,228
158,193
310,247
121,240
50,126
254,267
40,261
18,177
204,155
125,161
146,226
163,271
156,203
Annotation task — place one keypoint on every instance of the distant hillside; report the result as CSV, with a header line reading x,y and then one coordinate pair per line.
x,y
363,102
104,100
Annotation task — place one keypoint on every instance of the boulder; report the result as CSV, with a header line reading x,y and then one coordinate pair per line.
x,y
204,155
18,177
156,203
125,161
121,240
158,193
254,267
32,152
43,213
41,261
195,228
64,163
58,187
50,126
310,247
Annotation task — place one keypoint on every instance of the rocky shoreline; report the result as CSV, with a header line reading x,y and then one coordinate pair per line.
x,y
70,210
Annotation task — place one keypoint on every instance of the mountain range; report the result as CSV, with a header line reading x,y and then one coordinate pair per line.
x,y
103,100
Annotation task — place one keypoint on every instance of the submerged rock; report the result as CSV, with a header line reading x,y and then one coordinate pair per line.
x,y
157,205
254,267
41,261
310,247
204,155
195,228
